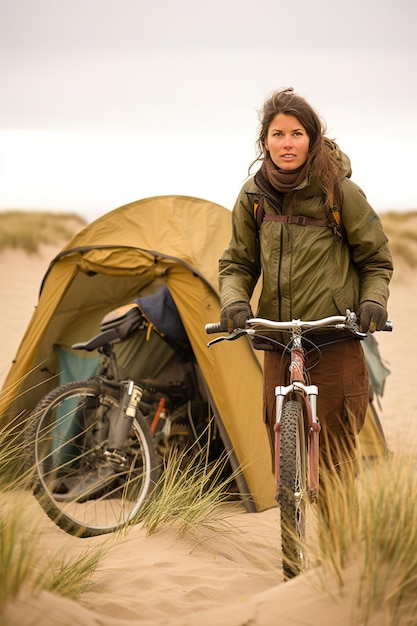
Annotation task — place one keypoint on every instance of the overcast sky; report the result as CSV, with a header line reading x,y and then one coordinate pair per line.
x,y
108,101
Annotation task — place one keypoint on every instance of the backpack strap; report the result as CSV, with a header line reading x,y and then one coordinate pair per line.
x,y
336,211
302,220
258,211
333,221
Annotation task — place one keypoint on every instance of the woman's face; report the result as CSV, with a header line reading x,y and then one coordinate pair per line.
x,y
287,142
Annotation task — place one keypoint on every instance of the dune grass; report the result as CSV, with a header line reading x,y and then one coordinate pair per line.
x,y
401,230
70,576
28,230
371,520
388,498
13,476
190,492
25,567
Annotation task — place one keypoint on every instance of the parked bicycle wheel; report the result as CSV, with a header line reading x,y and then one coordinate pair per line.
x,y
293,494
81,487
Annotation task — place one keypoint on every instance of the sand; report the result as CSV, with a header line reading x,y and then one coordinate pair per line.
x,y
227,580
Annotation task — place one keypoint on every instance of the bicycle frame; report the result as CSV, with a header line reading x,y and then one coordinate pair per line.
x,y
299,387
297,384
130,397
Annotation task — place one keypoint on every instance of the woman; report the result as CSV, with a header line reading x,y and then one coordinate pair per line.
x,y
285,228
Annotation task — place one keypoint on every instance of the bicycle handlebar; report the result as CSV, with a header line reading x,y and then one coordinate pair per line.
x,y
339,322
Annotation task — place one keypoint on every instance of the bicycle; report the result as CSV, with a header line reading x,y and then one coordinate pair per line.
x,y
95,447
297,427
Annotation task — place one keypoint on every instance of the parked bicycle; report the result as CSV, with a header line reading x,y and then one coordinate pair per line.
x,y
97,446
297,426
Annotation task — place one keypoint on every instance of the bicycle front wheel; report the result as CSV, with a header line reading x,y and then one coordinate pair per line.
x,y
293,494
77,483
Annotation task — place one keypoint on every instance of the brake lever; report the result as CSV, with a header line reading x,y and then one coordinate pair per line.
x,y
235,334
352,324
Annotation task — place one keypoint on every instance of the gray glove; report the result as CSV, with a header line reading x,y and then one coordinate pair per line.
x,y
235,315
372,316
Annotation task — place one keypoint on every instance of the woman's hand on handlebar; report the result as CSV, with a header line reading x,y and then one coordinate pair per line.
x,y
235,315
371,316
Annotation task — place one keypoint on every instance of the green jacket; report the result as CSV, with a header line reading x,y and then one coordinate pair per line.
x,y
308,272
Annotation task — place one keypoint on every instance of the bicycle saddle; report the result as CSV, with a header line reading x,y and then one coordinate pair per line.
x,y
115,327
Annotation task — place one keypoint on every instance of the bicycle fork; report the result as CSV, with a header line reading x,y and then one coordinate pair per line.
x,y
121,422
309,394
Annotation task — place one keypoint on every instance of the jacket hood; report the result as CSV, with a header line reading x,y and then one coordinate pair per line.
x,y
341,158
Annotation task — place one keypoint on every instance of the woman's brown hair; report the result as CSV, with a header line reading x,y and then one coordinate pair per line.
x,y
322,161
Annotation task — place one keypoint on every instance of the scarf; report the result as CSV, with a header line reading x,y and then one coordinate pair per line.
x,y
282,180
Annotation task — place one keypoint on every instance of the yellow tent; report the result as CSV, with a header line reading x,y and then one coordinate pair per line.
x,y
126,253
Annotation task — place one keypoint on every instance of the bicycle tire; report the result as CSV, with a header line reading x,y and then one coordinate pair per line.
x,y
293,493
77,486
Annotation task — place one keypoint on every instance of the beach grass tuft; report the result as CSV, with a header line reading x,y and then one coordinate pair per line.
x,y
371,520
190,492
13,475
71,576
25,566
388,517
28,230
401,231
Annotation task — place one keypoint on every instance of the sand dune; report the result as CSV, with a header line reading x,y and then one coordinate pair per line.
x,y
228,580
